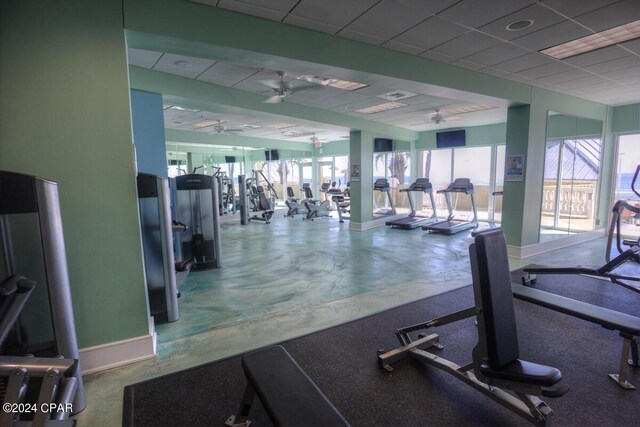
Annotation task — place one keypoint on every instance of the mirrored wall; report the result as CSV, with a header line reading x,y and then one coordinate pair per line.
x,y
572,168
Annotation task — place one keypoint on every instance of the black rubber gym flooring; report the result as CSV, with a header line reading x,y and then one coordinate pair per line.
x,y
342,362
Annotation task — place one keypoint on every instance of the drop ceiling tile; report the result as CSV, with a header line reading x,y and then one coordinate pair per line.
x,y
467,44
474,13
566,76
630,80
312,25
497,54
494,71
467,64
388,19
518,78
430,33
590,81
413,50
143,58
192,67
337,13
625,72
615,64
632,45
431,6
597,56
524,62
548,69
365,38
226,72
277,5
541,17
250,8
551,36
573,8
437,56
611,16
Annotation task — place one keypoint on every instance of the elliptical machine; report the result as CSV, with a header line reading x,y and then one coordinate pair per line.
x,y
615,227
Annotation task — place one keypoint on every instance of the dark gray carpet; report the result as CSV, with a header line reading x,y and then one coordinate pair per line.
x,y
342,361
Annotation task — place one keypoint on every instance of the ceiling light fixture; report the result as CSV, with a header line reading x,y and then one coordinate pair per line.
x,y
282,126
338,84
381,107
468,109
520,25
206,122
595,41
183,63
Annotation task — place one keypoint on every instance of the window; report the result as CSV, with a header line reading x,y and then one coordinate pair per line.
x,y
628,161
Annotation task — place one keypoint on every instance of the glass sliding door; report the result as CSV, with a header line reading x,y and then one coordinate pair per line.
x,y
395,167
571,176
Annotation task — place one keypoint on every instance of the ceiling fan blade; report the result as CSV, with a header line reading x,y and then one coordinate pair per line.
x,y
273,84
275,99
234,130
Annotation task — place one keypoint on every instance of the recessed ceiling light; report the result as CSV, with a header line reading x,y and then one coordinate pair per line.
x,y
595,41
381,107
183,63
520,25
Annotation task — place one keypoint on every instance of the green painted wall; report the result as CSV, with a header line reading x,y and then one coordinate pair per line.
x,y
361,154
626,118
64,114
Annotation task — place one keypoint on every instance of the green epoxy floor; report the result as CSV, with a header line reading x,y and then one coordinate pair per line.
x,y
293,277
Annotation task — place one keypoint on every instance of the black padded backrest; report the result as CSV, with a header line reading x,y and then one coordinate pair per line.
x,y
290,192
492,284
325,186
308,194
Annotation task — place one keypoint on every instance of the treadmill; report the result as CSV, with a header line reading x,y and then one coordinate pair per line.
x,y
382,185
450,225
413,220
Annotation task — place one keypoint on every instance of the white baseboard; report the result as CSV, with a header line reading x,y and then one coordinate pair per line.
x,y
362,226
521,252
111,355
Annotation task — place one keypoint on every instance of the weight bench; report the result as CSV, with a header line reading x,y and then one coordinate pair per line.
x,y
287,393
626,324
496,369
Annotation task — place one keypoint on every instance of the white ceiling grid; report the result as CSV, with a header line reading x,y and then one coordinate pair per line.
x,y
467,33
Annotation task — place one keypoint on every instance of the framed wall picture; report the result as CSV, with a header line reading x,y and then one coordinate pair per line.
x,y
355,173
514,168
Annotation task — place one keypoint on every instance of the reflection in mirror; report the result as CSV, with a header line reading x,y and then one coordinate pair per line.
x,y
571,173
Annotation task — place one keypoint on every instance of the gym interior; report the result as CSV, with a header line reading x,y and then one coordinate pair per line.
x,y
309,122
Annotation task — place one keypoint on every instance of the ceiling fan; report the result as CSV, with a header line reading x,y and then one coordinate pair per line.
x,y
437,117
280,89
218,128
315,140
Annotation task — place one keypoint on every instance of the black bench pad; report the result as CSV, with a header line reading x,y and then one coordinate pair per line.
x,y
525,372
289,396
609,319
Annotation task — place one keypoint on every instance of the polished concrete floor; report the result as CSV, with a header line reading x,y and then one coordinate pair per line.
x,y
292,277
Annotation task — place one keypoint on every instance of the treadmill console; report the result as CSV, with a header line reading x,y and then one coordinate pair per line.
x,y
381,184
461,185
